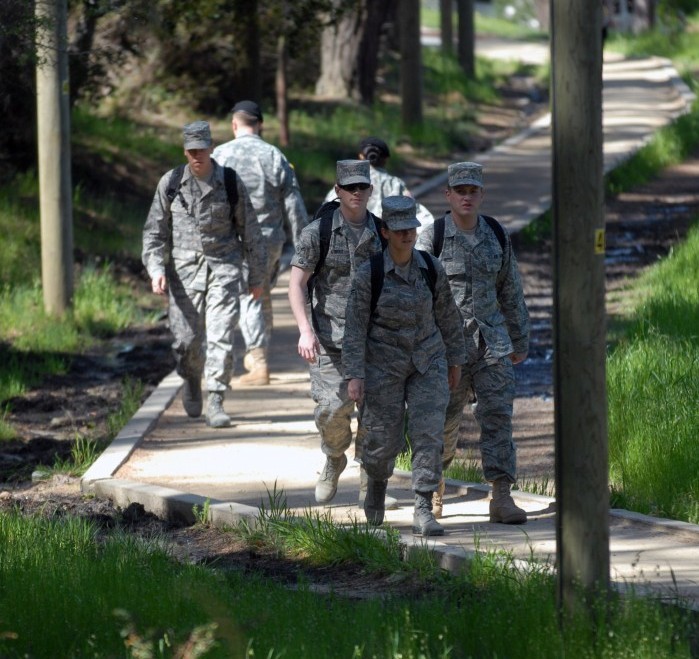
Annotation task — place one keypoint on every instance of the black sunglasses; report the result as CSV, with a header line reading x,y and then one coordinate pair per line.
x,y
353,187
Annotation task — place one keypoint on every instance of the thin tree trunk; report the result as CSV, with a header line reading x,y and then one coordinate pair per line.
x,y
281,91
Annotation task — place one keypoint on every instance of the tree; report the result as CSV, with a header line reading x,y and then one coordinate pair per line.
x,y
410,63
467,38
446,8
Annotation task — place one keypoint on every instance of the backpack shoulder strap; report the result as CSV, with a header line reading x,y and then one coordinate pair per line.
x,y
377,275
230,181
497,230
431,271
173,185
325,225
378,222
438,238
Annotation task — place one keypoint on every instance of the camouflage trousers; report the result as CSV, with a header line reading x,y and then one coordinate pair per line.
x,y
256,319
334,408
385,400
493,385
202,324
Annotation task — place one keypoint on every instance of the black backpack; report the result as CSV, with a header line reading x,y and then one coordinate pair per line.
x,y
229,180
324,215
438,240
377,276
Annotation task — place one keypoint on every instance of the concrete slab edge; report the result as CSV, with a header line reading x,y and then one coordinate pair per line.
x,y
131,435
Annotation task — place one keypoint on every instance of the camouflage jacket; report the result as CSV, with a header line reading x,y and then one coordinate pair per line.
x,y
196,233
335,277
486,286
409,324
271,183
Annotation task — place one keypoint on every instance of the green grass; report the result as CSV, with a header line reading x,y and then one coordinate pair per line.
x,y
68,592
653,392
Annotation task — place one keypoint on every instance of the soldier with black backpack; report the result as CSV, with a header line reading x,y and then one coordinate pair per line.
x,y
330,250
200,228
403,349
477,255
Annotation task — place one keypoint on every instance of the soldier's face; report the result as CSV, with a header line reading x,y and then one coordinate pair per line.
x,y
199,161
355,196
465,200
402,240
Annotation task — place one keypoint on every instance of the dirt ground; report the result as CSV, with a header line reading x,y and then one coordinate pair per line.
x,y
642,226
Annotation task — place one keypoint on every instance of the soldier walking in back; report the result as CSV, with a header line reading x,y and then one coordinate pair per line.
x,y
276,198
200,228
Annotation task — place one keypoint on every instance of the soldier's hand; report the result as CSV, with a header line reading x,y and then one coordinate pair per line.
x,y
518,357
355,389
159,285
256,292
308,346
454,377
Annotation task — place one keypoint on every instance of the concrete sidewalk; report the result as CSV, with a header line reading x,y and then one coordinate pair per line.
x,y
169,462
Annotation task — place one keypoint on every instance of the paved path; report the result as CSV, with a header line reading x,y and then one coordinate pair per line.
x,y
169,462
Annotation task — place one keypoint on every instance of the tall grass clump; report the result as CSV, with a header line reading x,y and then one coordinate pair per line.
x,y
653,393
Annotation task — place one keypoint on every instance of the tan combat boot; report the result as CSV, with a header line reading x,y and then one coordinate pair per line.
x,y
255,362
438,500
502,507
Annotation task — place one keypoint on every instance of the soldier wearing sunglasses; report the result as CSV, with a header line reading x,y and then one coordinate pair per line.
x,y
354,237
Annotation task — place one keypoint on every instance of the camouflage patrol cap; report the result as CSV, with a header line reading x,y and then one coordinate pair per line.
x,y
197,135
465,173
353,171
399,212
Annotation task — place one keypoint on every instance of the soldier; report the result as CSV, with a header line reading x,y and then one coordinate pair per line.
x,y
376,151
200,228
477,255
403,347
276,198
353,238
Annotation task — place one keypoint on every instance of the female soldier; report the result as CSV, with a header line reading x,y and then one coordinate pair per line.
x,y
402,348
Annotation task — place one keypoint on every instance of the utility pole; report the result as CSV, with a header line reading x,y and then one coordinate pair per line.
x,y
582,531
53,136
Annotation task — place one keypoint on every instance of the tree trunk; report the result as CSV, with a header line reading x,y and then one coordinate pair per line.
x,y
377,14
467,38
445,18
339,48
281,91
411,63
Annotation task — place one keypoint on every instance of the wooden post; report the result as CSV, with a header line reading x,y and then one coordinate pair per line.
x,y
53,136
582,532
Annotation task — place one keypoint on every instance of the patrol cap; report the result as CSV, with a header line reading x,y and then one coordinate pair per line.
x,y
465,173
249,107
353,171
197,135
399,212
376,145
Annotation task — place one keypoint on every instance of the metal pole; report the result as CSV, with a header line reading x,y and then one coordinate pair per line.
x,y
582,531
53,133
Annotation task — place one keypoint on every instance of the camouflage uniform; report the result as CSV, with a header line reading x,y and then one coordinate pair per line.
x,y
196,244
276,198
487,289
402,351
386,185
334,408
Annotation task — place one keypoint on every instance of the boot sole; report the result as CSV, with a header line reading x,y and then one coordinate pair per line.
x,y
508,520
220,424
418,531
